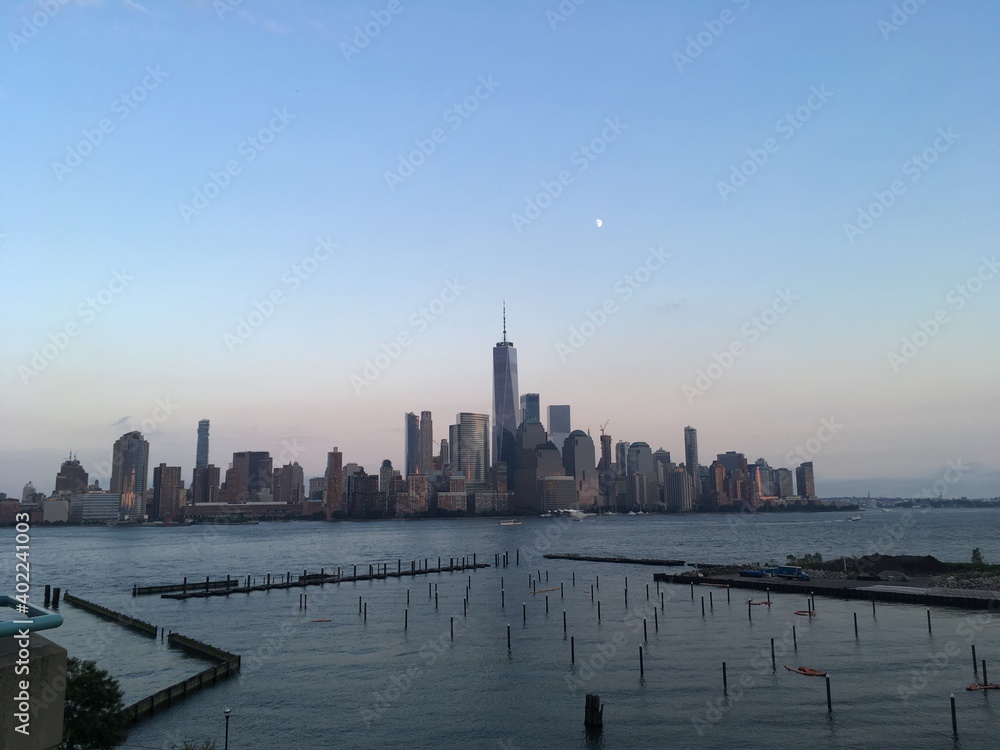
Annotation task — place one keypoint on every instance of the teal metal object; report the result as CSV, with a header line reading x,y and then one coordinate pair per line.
x,y
36,618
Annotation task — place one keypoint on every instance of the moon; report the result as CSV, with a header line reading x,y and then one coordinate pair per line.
x,y
599,223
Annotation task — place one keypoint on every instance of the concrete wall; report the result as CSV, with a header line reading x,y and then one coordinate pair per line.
x,y
46,693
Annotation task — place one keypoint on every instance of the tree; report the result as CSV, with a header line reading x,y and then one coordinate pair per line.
x,y
977,557
93,717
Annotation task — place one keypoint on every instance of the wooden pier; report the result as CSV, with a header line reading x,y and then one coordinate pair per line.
x,y
629,560
376,571
851,589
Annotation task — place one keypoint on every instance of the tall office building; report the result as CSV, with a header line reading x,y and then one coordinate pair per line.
x,y
252,473
453,446
804,481
385,477
783,481
72,477
473,446
691,457
559,424
425,454
621,458
411,462
579,461
506,405
205,485
445,455
334,499
607,477
530,407
129,473
167,489
289,484
201,456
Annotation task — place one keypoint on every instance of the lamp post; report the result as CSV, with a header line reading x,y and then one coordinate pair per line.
x,y
226,713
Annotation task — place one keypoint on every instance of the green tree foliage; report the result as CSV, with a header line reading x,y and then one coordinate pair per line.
x,y
977,557
93,719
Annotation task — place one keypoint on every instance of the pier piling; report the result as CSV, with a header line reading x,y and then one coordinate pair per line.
x,y
598,610
561,592
702,606
366,612
929,631
711,602
795,640
725,679
453,627
593,714
986,680
645,634
572,649
564,622
975,664
524,613
855,624
774,663
656,621
406,618
954,718
55,597
546,604
829,700
508,636
642,669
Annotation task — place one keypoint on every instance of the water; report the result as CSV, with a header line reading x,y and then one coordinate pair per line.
x,y
349,683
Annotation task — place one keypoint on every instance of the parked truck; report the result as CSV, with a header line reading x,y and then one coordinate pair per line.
x,y
788,571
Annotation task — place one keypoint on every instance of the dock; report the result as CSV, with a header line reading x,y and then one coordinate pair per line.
x,y
629,560
376,571
843,588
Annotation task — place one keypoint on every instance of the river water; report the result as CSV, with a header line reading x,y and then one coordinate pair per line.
x,y
369,683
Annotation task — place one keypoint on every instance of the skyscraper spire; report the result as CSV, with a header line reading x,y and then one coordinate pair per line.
x,y
505,320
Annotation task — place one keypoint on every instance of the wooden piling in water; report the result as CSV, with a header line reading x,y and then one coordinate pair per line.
x,y
725,679
656,621
564,622
855,624
642,669
366,612
829,700
711,602
774,663
546,604
572,649
524,613
986,680
975,664
406,618
929,622
453,627
795,640
561,592
593,714
954,718
645,634
508,636
702,606
598,610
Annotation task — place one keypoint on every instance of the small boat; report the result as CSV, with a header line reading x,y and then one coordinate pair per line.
x,y
512,522
806,612
886,510
757,604
983,686
807,671
854,518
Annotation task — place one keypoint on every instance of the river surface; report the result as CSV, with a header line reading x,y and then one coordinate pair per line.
x,y
368,683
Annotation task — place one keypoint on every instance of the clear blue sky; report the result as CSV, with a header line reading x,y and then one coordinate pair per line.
x,y
320,111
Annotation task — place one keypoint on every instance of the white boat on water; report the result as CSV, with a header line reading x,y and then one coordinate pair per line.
x,y
512,522
854,518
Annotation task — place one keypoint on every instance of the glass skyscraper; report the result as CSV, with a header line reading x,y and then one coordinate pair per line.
x,y
129,472
412,431
506,404
201,457
473,435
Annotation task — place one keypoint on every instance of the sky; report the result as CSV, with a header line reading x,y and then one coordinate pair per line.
x,y
775,222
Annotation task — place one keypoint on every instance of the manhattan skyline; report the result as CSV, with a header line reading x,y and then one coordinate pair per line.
x,y
687,229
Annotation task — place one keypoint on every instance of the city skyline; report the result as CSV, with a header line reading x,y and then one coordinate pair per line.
x,y
686,230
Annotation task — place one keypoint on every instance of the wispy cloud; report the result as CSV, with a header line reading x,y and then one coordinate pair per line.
x,y
122,421
265,23
136,6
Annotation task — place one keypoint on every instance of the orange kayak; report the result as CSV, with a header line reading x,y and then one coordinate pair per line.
x,y
808,671
981,686
806,612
